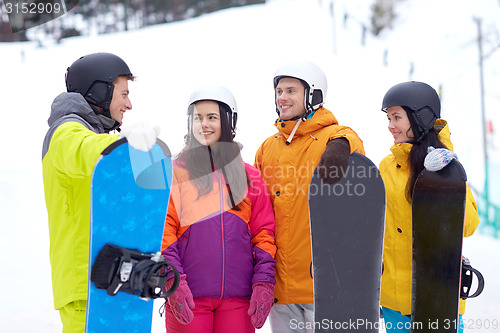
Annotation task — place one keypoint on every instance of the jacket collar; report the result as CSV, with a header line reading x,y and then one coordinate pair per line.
x,y
74,104
321,118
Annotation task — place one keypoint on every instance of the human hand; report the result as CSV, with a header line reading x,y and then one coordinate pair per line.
x,y
437,159
334,160
181,301
141,136
261,303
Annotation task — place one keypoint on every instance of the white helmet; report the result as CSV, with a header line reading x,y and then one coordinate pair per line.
x,y
312,76
219,94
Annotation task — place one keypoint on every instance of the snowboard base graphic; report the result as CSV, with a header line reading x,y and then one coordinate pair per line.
x,y
130,193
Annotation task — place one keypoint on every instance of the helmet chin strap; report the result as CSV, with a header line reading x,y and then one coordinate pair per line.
x,y
420,138
290,137
106,113
308,97
300,119
419,129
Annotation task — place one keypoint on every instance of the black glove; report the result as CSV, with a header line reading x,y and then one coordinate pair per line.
x,y
334,161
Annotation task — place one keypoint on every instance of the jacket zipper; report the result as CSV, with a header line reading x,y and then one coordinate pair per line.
x,y
221,194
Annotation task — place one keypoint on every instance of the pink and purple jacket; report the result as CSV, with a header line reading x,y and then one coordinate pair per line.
x,y
223,252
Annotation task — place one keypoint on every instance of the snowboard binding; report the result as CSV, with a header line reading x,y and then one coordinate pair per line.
x,y
467,275
131,271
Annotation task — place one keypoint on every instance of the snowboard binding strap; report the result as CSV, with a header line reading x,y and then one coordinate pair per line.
x,y
143,274
467,275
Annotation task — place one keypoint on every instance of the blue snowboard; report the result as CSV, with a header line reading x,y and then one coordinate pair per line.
x,y
130,193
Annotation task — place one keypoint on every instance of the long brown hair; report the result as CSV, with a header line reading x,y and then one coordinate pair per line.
x,y
201,161
418,153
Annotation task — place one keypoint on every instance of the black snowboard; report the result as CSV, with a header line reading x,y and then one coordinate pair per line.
x,y
438,223
347,231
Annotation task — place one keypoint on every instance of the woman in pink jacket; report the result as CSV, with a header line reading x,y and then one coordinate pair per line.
x,y
219,229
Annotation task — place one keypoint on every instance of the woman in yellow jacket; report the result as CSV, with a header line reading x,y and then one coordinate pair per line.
x,y
413,109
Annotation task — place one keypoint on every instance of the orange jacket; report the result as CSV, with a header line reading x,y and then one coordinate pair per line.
x,y
287,171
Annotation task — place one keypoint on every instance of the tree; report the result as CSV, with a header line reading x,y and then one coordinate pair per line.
x,y
382,15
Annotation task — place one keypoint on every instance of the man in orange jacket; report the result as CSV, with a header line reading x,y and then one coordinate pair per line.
x,y
309,136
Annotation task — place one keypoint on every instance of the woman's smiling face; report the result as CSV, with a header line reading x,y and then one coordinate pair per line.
x,y
206,122
399,124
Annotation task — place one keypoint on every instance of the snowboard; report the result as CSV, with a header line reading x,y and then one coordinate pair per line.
x,y
129,198
347,222
438,210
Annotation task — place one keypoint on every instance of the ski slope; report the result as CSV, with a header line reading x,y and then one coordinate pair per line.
x,y
241,48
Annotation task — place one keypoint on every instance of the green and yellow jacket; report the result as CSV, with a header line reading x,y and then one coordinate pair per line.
x,y
72,146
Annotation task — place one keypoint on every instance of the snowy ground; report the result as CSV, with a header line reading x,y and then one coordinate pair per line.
x,y
229,47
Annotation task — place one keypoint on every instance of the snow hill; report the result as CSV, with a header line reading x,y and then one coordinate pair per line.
x,y
431,41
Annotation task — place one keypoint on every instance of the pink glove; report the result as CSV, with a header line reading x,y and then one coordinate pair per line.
x,y
261,302
181,301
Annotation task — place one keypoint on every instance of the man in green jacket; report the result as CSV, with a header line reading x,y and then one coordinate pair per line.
x,y
80,121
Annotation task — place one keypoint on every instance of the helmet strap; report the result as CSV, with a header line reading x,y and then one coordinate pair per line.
x,y
419,131
232,117
312,101
100,94
308,99
290,137
189,128
106,113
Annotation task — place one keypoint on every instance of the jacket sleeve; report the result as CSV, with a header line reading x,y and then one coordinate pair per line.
x,y
170,244
354,141
262,228
76,149
258,159
471,215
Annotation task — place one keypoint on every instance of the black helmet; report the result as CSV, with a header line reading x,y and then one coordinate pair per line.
x,y
92,76
420,101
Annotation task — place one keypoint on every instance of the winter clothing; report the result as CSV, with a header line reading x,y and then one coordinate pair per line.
x,y
141,136
261,302
214,315
181,301
397,258
73,317
287,170
334,160
222,251
437,159
73,144
395,322
292,318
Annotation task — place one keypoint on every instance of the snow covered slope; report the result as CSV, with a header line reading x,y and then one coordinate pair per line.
x,y
241,48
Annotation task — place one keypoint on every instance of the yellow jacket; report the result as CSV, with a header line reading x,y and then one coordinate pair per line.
x,y
287,171
397,277
73,144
